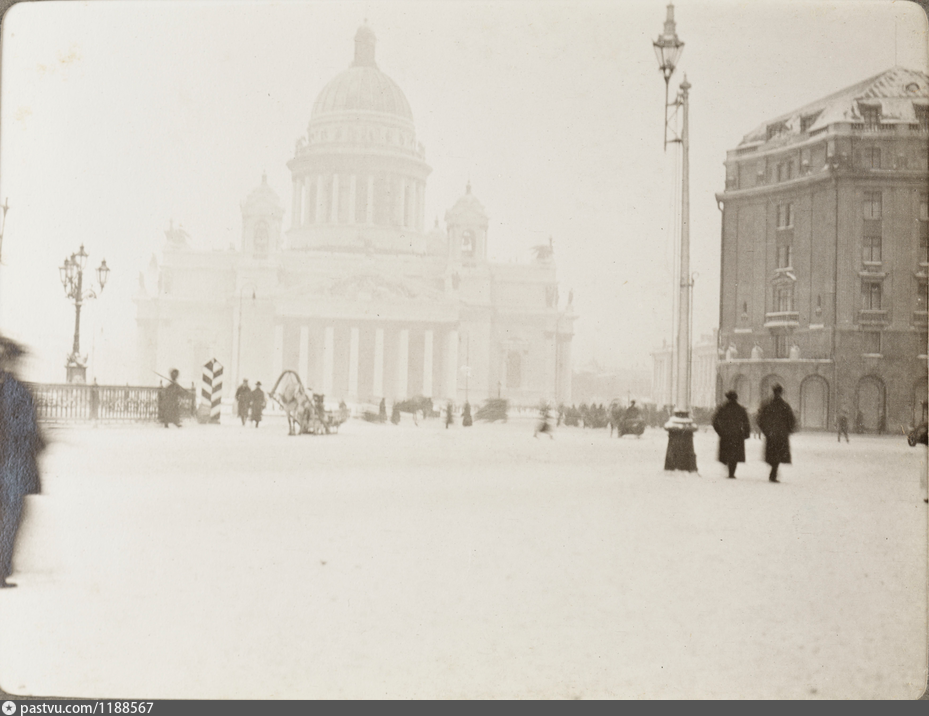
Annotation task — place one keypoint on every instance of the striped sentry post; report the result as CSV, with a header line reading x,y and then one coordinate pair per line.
x,y
212,390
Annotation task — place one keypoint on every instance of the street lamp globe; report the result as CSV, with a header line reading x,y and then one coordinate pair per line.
x,y
668,47
102,272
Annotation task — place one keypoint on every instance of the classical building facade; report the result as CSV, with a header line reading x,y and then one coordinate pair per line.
x,y
824,256
352,290
703,373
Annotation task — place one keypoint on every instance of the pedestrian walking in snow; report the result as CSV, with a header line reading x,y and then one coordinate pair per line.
x,y
466,420
257,403
731,424
449,415
171,401
545,424
243,400
20,444
776,421
841,425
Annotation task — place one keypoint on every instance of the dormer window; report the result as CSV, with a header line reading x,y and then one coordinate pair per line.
x,y
776,129
870,115
808,121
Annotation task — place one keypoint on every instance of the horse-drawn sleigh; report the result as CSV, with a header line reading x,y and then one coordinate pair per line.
x,y
306,412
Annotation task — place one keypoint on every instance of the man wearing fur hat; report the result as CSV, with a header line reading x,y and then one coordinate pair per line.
x,y
20,445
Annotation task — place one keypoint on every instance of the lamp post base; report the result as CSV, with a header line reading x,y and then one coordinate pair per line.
x,y
680,453
76,370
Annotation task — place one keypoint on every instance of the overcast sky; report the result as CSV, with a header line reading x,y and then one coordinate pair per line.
x,y
118,117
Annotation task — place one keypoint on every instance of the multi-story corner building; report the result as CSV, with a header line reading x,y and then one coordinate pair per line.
x,y
352,291
824,256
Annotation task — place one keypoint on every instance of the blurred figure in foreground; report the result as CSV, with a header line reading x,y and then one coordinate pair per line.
x,y
731,424
545,424
20,445
776,420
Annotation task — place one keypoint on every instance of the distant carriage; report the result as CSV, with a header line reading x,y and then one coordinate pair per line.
x,y
306,412
623,423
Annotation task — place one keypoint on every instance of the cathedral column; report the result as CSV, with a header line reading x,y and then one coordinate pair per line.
x,y
278,358
427,364
369,209
451,365
297,203
420,206
352,197
304,359
328,357
378,387
320,200
353,365
334,216
403,363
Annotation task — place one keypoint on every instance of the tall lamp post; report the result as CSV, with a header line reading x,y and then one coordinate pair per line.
x,y
680,453
72,278
238,351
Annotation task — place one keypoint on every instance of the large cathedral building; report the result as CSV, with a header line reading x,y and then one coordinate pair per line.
x,y
351,289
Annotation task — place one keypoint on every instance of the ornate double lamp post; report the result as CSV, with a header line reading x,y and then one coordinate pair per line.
x,y
680,453
72,278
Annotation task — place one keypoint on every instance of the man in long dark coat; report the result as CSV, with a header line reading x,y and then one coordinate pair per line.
x,y
776,421
731,424
258,403
20,445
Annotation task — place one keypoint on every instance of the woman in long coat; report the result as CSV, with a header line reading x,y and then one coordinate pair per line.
x,y
732,425
776,420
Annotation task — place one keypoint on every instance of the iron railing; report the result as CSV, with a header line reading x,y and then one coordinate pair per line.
x,y
75,402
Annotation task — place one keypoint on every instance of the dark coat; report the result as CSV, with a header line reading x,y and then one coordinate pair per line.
x,y
257,403
243,398
20,441
171,404
731,424
776,421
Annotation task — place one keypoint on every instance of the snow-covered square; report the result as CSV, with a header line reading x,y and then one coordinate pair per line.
x,y
404,561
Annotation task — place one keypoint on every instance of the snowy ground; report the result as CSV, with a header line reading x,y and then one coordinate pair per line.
x,y
213,562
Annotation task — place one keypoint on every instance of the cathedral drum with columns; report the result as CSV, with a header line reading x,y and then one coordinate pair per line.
x,y
355,295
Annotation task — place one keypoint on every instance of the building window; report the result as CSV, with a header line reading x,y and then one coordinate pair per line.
x,y
922,343
922,116
784,256
872,205
924,228
467,243
872,157
807,122
785,171
871,342
922,295
785,216
872,248
781,349
784,298
871,116
871,295
261,237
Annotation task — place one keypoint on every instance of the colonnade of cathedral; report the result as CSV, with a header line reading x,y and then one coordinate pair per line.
x,y
381,199
366,360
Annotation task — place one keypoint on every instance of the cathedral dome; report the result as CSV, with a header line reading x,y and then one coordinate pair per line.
x,y
467,207
362,87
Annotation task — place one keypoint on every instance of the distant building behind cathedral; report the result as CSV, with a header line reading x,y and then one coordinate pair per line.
x,y
356,295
